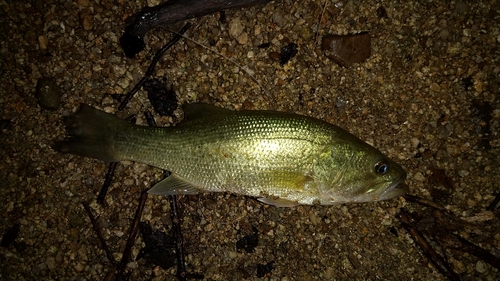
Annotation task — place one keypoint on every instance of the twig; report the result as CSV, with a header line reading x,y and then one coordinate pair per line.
x,y
319,23
175,11
179,245
424,202
458,243
110,256
107,182
150,119
441,265
156,59
132,235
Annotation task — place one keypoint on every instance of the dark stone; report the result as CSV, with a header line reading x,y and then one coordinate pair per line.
x,y
288,52
132,44
382,13
264,45
4,124
48,94
263,269
10,235
249,242
467,82
159,248
164,101
481,117
441,186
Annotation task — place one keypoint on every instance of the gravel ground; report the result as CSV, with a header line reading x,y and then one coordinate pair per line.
x,y
428,97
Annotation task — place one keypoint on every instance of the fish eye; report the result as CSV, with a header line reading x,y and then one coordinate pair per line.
x,y
381,167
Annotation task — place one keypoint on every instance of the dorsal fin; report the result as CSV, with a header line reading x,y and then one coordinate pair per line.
x,y
194,111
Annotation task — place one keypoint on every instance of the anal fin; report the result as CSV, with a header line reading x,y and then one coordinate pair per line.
x,y
173,185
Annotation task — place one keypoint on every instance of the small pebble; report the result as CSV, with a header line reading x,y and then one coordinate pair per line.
x,y
329,273
79,267
415,142
87,21
48,94
43,42
461,8
481,267
83,3
314,218
341,102
463,173
132,265
232,254
278,19
243,38
235,27
275,56
306,33
419,177
50,262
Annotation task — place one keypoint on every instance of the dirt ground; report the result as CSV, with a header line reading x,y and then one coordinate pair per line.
x,y
428,97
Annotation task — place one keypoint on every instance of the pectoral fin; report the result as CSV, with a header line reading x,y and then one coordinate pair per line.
x,y
285,183
278,202
289,180
173,185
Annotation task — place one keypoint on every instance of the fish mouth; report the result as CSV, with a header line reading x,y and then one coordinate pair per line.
x,y
397,188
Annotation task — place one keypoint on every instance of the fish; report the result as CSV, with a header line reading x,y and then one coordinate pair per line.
x,y
282,159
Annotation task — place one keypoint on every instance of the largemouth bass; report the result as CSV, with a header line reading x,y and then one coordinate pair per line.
x,y
283,159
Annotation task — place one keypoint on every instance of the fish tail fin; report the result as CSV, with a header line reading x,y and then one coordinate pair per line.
x,y
91,133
